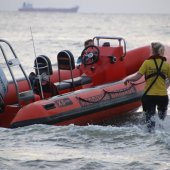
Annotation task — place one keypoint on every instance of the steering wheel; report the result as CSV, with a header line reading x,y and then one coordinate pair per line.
x,y
90,55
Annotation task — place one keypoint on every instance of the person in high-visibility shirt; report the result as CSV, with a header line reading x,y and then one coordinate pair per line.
x,y
157,72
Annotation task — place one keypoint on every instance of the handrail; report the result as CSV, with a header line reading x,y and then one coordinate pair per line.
x,y
12,75
120,39
8,63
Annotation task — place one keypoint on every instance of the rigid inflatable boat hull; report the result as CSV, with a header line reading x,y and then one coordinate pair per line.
x,y
89,106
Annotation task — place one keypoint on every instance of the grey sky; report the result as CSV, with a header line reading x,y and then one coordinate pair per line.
x,y
111,6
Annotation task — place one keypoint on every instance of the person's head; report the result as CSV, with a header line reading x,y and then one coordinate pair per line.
x,y
88,43
157,48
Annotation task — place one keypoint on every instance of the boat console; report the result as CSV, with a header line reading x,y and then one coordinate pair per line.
x,y
102,61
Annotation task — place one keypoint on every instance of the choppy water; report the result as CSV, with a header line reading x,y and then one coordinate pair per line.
x,y
86,147
124,145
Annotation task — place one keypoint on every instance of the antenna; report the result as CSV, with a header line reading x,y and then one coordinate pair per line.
x,y
37,67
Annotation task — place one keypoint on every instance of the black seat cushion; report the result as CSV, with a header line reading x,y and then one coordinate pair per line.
x,y
78,81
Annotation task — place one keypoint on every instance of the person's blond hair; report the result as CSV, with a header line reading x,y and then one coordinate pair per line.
x,y
157,48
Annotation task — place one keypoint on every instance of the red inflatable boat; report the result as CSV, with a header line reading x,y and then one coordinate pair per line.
x,y
91,92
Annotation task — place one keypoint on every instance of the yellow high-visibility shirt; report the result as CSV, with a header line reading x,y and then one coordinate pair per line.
x,y
159,87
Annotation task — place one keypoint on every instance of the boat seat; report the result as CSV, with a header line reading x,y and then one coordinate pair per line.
x,y
40,80
26,95
43,69
106,44
68,84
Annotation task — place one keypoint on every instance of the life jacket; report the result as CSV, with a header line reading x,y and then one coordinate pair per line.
x,y
158,69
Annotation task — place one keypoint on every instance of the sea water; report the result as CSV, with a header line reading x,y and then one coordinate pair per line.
x,y
124,145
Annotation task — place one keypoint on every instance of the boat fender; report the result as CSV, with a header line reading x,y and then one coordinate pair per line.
x,y
3,88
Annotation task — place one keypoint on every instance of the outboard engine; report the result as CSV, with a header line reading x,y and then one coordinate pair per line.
x,y
3,88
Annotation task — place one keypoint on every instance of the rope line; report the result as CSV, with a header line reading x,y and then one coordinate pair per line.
x,y
90,101
107,92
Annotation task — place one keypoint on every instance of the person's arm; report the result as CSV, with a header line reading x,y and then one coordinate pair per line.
x,y
133,78
167,82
